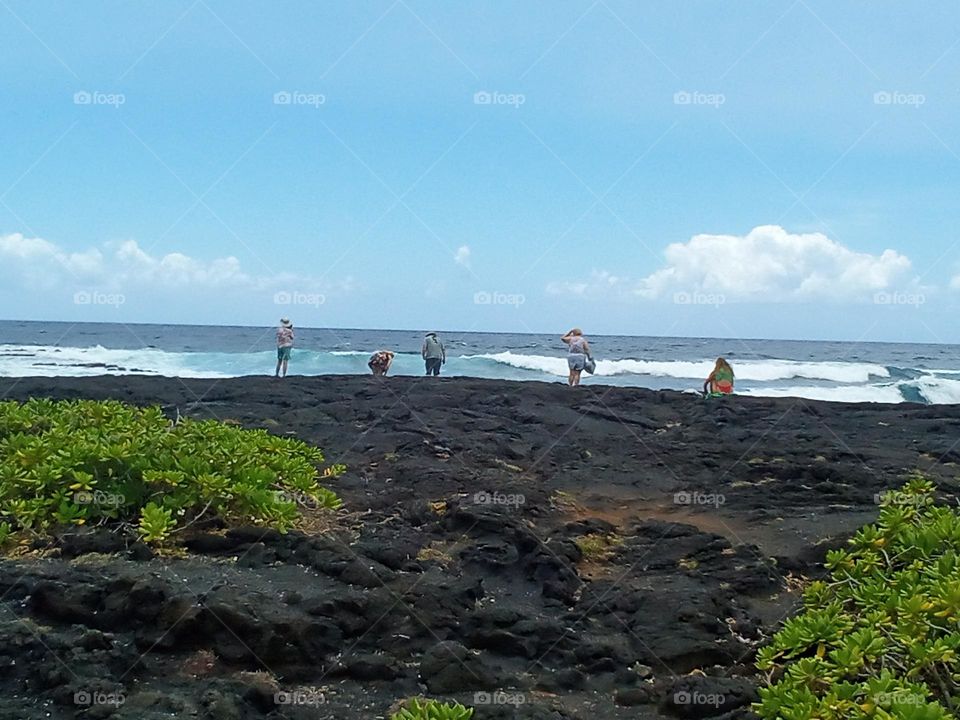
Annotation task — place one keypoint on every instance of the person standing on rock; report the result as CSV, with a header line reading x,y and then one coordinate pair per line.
x,y
433,353
284,346
578,353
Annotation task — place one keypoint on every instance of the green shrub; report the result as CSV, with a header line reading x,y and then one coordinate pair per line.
x,y
880,637
598,546
432,710
85,462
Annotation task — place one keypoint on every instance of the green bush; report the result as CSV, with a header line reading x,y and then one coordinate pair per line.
x,y
432,710
880,637
86,462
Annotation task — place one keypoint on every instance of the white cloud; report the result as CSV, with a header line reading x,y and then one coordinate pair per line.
x,y
126,265
600,281
768,264
43,262
462,256
772,264
135,264
955,283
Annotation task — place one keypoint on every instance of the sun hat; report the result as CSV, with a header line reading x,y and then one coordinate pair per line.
x,y
285,322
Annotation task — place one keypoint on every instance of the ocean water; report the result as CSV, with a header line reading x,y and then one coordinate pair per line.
x,y
855,372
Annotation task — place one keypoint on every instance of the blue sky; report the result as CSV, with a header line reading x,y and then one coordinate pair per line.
x,y
769,169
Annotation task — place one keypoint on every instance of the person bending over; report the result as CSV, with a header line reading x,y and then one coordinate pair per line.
x,y
720,380
380,362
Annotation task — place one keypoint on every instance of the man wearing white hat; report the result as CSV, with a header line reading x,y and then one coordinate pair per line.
x,y
284,346
433,353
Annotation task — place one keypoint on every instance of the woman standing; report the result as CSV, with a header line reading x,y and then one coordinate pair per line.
x,y
284,346
577,355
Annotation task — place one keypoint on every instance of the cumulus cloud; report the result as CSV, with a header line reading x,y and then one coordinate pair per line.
x,y
179,269
773,264
462,256
768,264
43,262
126,264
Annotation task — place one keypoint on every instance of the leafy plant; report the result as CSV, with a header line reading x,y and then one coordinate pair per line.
x,y
432,710
598,546
156,523
83,462
880,637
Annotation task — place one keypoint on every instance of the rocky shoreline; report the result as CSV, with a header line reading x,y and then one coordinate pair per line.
x,y
529,550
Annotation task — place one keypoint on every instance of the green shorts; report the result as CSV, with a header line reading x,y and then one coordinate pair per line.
x,y
283,353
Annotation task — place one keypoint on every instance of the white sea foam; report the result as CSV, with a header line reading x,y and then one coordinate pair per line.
x,y
843,393
43,360
764,371
938,390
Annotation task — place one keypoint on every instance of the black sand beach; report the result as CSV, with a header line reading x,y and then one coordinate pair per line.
x,y
458,567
